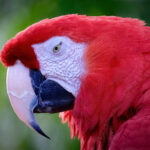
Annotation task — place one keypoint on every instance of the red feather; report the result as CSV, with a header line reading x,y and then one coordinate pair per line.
x,y
112,106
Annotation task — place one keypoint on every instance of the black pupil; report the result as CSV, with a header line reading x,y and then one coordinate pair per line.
x,y
56,48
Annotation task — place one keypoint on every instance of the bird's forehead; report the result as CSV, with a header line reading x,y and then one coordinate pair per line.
x,y
54,40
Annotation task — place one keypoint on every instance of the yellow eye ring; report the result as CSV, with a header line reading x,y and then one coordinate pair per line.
x,y
57,48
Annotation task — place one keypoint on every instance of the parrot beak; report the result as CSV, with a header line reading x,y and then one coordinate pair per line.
x,y
30,92
22,95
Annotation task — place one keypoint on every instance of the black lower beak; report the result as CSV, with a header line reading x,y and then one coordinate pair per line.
x,y
51,96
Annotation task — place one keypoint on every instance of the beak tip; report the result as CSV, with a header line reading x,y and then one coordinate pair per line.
x,y
38,129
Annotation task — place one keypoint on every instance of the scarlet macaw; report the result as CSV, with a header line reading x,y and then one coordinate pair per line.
x,y
94,70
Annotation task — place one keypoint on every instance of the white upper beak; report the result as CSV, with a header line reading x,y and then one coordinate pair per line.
x,y
21,94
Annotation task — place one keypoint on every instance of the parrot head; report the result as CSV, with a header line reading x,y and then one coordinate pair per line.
x,y
45,67
76,65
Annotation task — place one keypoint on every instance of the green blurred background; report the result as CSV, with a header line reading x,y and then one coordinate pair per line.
x,y
15,15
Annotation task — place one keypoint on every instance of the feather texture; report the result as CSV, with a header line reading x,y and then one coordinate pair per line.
x,y
114,93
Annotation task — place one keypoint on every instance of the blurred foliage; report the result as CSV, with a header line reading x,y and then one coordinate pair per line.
x,y
15,15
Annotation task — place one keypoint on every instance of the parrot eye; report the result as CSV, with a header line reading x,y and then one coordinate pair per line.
x,y
57,48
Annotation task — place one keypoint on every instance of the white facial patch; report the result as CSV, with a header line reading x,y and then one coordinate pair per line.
x,y
61,60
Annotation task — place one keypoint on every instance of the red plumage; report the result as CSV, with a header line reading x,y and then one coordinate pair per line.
x,y
111,110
